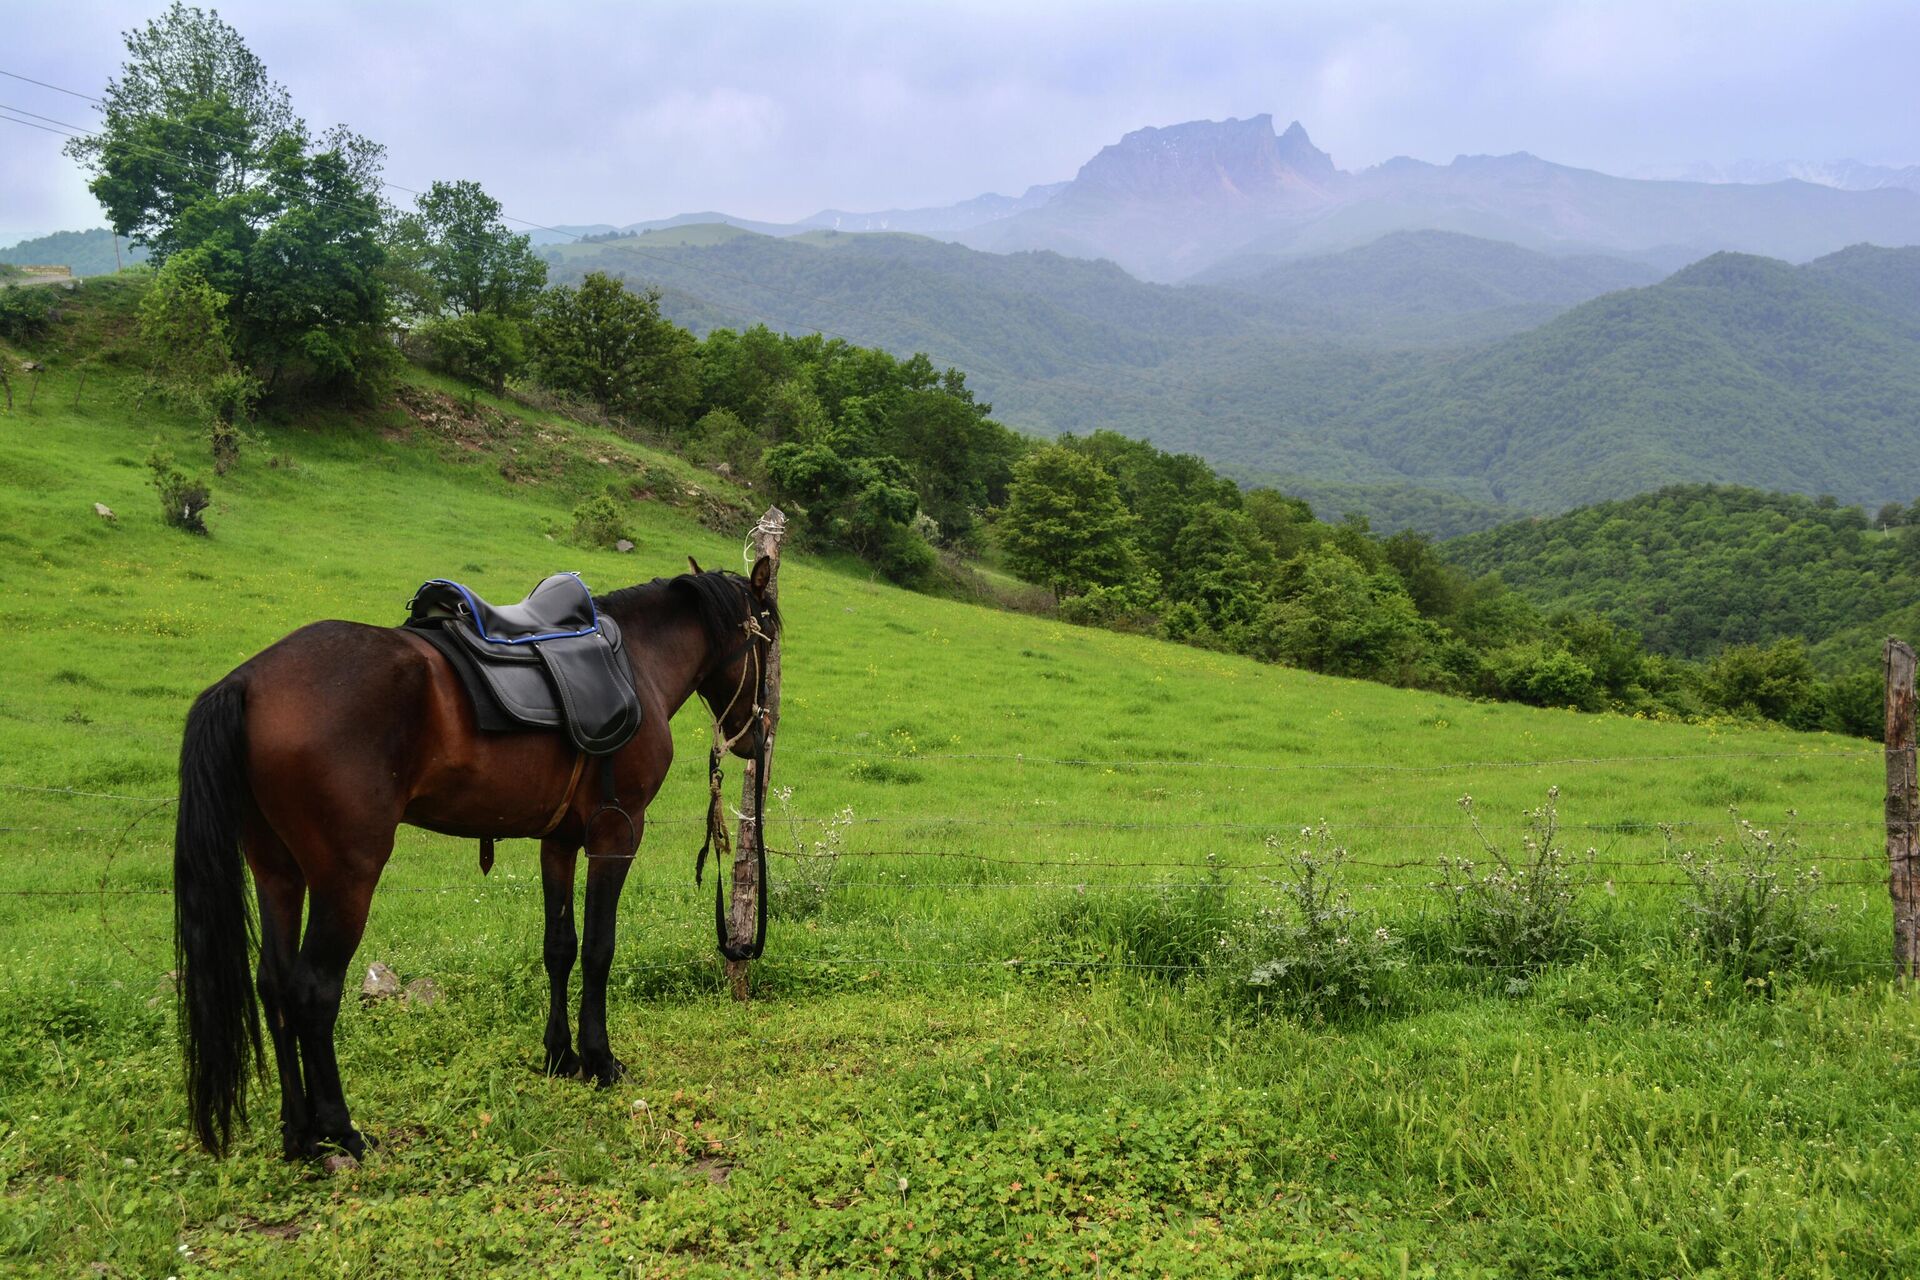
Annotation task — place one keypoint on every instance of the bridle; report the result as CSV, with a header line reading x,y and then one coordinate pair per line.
x,y
754,637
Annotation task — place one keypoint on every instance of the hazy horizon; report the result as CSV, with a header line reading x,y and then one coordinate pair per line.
x,y
580,114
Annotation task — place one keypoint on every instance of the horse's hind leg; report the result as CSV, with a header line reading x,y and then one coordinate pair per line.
x,y
282,891
562,944
335,921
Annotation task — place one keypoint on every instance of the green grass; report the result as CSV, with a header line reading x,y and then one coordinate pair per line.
x,y
913,1090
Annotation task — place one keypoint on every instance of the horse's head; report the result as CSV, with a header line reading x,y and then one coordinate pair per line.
x,y
743,623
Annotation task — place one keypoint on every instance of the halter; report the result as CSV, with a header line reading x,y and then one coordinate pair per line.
x,y
717,839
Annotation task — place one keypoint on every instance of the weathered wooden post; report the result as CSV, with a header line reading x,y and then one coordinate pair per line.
x,y
766,538
1903,811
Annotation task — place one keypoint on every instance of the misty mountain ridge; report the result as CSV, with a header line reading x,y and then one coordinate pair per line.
x,y
1847,175
1170,203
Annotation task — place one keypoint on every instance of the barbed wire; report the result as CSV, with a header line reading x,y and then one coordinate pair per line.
x,y
157,984
681,885
1331,766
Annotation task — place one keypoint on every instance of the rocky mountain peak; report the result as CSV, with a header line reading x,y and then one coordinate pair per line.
x,y
1208,161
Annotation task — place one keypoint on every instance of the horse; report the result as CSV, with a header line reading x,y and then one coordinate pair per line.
x,y
307,758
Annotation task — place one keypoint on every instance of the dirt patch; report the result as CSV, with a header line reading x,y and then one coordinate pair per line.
x,y
292,1229
715,1170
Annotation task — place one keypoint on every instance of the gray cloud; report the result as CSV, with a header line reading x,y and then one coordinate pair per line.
x,y
592,112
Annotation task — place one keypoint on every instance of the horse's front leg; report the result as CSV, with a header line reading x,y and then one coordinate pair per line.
x,y
606,873
557,859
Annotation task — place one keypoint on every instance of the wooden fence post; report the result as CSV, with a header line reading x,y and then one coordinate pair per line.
x,y
767,536
1903,811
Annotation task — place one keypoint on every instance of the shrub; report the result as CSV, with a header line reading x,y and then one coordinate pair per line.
x,y
25,313
1519,909
597,523
1314,954
1750,910
183,499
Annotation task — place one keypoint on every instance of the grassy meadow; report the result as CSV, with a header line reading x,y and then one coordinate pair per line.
x,y
973,1049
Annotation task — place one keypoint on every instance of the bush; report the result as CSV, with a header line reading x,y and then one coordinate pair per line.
x,y
482,348
597,523
25,313
1521,909
183,499
1750,910
1314,955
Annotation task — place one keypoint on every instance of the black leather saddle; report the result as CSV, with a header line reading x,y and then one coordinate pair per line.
x,y
549,662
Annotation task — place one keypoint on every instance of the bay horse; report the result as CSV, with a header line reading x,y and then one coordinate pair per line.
x,y
307,758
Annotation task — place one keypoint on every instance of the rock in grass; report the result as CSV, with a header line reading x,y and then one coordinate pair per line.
x,y
424,992
340,1164
381,983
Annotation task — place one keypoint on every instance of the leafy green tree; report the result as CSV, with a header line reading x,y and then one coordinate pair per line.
x,y
200,151
605,343
1776,682
1064,525
183,321
189,123
482,347
461,259
1343,620
1222,568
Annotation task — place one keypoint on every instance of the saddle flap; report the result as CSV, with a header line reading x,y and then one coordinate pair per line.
x,y
595,688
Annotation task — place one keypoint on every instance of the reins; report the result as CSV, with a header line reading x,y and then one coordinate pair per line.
x,y
717,841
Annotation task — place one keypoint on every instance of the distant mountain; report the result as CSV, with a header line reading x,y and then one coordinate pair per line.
x,y
88,253
1415,286
1737,369
1847,175
1170,203
938,221
1696,568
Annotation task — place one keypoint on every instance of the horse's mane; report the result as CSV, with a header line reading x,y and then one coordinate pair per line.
x,y
717,597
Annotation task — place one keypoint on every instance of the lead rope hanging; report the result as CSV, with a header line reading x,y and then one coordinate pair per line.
x,y
717,840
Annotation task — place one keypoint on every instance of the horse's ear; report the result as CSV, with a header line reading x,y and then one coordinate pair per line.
x,y
762,575
693,564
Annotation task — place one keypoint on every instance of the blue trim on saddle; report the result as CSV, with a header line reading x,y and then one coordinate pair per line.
x,y
474,615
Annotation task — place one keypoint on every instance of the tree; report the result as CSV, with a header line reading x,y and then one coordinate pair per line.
x,y
610,345
1064,525
201,152
458,258
190,120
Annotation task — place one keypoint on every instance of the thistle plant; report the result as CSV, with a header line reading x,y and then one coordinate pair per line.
x,y
1516,908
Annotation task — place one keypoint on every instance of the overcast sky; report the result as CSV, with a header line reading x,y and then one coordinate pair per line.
x,y
580,112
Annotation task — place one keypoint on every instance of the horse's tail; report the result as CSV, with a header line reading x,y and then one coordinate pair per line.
x,y
212,921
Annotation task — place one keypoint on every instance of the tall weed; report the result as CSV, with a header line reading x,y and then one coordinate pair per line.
x,y
1517,908
1751,909
1313,953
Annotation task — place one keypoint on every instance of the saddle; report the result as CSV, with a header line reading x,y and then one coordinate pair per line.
x,y
550,662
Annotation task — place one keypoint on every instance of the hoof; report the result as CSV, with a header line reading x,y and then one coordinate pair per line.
x,y
352,1144
607,1074
564,1063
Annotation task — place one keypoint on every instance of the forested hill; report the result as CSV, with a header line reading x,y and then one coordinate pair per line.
x,y
1321,376
1737,369
1696,568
